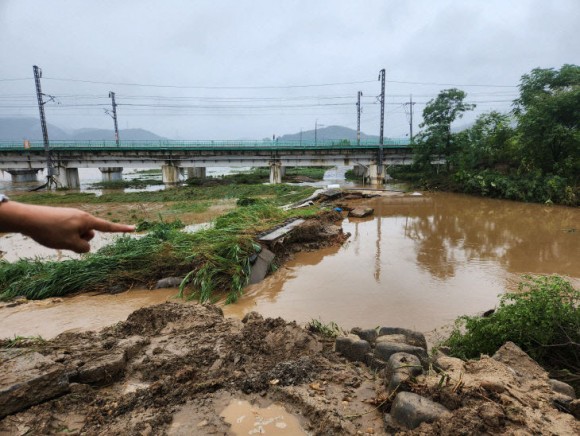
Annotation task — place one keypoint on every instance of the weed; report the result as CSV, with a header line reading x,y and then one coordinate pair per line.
x,y
330,330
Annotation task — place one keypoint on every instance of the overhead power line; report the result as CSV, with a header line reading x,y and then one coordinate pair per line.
x,y
208,87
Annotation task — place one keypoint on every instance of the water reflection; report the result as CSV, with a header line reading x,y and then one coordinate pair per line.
x,y
420,262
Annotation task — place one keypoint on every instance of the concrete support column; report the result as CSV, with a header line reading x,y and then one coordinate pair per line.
x,y
111,174
359,170
275,172
170,174
68,178
282,171
19,176
196,172
373,175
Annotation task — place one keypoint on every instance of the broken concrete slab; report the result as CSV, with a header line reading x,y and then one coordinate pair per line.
x,y
261,266
282,231
29,378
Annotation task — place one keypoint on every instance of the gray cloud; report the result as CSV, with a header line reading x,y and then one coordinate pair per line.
x,y
264,43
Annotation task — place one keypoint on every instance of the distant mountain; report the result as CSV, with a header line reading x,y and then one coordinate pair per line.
x,y
328,133
18,129
104,134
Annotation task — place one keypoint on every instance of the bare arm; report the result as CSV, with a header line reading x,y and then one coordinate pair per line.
x,y
55,227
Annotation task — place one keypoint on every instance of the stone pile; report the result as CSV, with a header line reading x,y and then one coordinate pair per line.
x,y
401,355
510,377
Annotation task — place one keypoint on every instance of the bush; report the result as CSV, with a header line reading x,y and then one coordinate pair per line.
x,y
543,319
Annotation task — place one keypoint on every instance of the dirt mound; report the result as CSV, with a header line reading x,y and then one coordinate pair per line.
x,y
174,368
139,375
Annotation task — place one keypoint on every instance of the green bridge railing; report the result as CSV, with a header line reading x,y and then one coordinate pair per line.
x,y
198,144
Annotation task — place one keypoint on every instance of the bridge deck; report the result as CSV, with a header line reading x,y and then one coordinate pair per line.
x,y
198,145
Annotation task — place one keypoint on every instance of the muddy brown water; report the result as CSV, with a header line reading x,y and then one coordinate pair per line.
x,y
419,263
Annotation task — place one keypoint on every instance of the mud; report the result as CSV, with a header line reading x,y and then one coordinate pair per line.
x,y
186,369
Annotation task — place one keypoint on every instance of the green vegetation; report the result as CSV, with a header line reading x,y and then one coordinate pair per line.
x,y
330,330
280,193
212,260
260,175
139,183
531,154
543,319
22,342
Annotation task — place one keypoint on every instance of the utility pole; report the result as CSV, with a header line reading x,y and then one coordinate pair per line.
x,y
39,96
381,135
112,96
358,110
410,104
316,132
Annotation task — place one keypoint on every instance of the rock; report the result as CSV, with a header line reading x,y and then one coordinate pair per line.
x,y
513,356
384,351
261,266
411,410
352,347
399,339
169,282
369,335
562,388
374,363
101,371
574,408
361,212
412,337
29,378
401,368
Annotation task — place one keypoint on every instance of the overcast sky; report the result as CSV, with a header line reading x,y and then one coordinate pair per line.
x,y
249,69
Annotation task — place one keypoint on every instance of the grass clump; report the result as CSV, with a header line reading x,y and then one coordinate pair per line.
x,y
330,330
543,319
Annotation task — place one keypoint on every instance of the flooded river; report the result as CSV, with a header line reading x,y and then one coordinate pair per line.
x,y
419,262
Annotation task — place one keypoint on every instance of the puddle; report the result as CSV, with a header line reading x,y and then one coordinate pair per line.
x,y
248,419
48,318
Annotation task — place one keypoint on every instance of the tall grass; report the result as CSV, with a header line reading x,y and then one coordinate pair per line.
x,y
212,260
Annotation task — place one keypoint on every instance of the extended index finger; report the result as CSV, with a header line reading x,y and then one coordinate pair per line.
x,y
107,226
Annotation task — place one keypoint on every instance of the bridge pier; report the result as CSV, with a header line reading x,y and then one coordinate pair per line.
x,y
68,178
196,172
276,172
170,174
19,176
111,174
373,176
359,170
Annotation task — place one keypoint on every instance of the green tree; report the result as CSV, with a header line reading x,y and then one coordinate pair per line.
x,y
548,112
437,140
490,142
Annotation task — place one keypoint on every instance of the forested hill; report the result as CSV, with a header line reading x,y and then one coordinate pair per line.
x,y
18,129
328,133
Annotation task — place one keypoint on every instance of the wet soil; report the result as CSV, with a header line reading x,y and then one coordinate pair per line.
x,y
186,369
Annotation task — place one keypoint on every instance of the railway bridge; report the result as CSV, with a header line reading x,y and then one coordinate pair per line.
x,y
62,159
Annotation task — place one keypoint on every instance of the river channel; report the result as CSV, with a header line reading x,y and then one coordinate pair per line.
x,y
418,262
